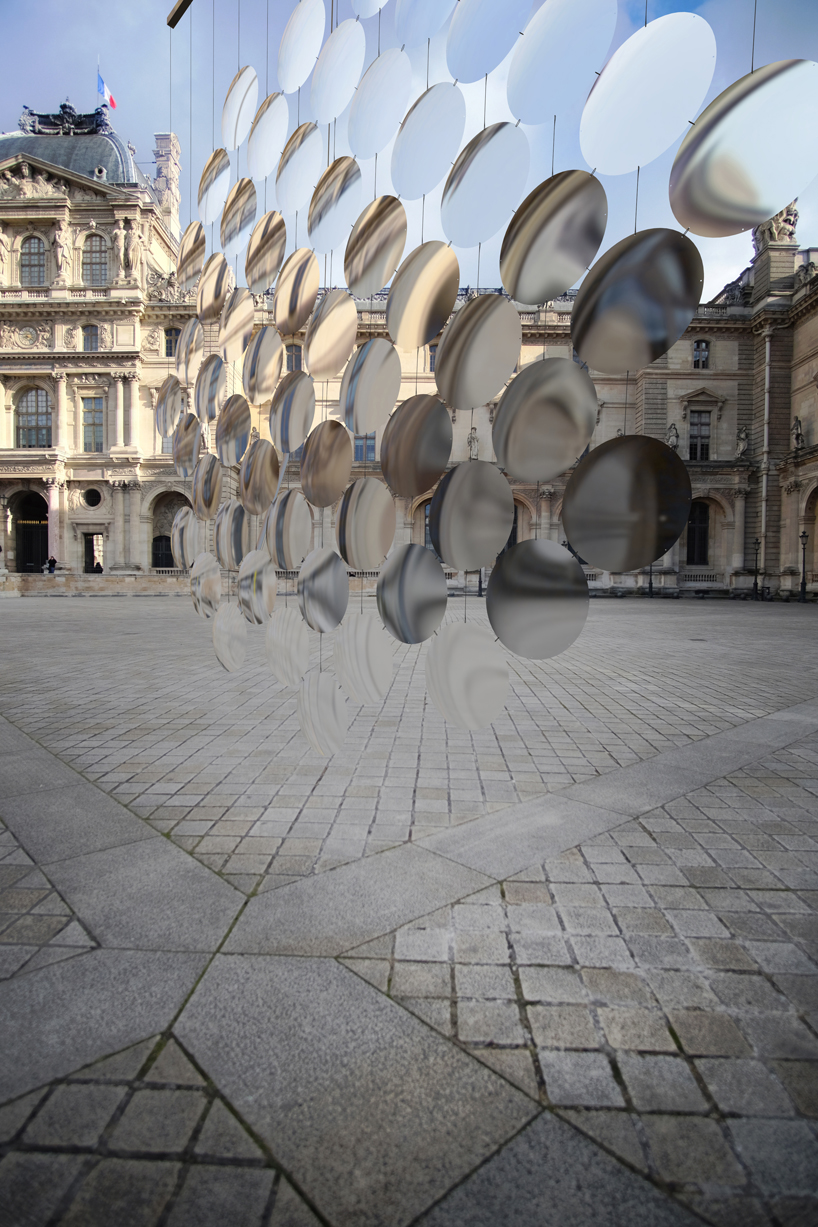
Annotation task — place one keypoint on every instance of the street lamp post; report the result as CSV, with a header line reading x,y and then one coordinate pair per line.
x,y
756,547
804,538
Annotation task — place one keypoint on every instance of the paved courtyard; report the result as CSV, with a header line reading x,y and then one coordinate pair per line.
x,y
561,971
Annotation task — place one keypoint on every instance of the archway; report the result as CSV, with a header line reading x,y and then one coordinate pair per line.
x,y
164,512
30,514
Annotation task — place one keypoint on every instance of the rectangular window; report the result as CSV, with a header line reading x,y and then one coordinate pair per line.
x,y
701,355
293,357
432,358
171,341
167,446
34,419
92,415
699,434
365,448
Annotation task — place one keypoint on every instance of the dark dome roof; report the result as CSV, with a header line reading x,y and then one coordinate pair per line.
x,y
80,143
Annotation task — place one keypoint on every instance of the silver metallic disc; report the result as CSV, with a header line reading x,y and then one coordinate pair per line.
x,y
238,218
213,186
411,593
261,368
740,164
553,236
326,463
418,20
466,675
648,93
287,646
265,251
232,535
206,585
367,8
210,391
636,301
169,405
229,638
191,257
268,136
258,477
331,334
233,430
299,169
288,527
215,286
375,247
365,524
296,291
239,107
626,503
423,294
236,325
370,386
206,487
544,420
416,445
537,599
184,538
478,351
334,205
322,713
323,590
292,410
485,184
379,103
189,351
562,44
362,655
187,438
481,34
338,71
257,586
428,141
300,44
471,515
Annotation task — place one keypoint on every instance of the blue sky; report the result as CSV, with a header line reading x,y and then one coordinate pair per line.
x,y
58,45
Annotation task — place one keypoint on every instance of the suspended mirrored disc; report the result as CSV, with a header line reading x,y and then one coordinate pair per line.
x,y
215,285
636,301
481,34
184,538
186,440
257,585
292,411
545,419
478,351
236,325
553,236
191,257
206,487
416,445
338,71
322,713
232,535
261,367
375,247
739,165
471,515
268,136
562,44
326,463
213,186
365,524
335,204
370,386
537,599
189,351
411,593
423,294
647,93
289,530
466,675
206,585
330,335
485,184
296,291
210,391
300,44
233,430
323,590
287,646
265,251
229,637
238,218
367,8
169,405
626,503
258,477
362,655
418,20
299,169
379,103
239,107
428,141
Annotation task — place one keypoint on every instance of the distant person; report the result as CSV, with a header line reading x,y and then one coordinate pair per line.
x,y
97,567
52,565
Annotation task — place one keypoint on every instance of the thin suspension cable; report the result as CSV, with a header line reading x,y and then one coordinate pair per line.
x,y
636,205
753,52
553,145
428,46
238,41
213,83
627,381
190,131
485,99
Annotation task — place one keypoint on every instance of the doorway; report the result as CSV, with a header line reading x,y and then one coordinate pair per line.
x,y
93,551
31,517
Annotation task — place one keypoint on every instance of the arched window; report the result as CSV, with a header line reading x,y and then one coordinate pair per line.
x,y
32,261
293,357
171,341
698,533
33,419
90,338
95,261
701,355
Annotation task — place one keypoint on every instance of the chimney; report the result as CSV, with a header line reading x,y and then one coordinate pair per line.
x,y
166,183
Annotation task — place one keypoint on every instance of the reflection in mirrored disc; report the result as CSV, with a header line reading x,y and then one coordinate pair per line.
x,y
296,291
265,251
466,675
258,477
370,386
299,169
545,419
233,430
268,136
367,8
411,593
191,257
238,218
375,247
365,524
428,141
636,301
330,335
239,107
186,440
206,585
335,204
206,487
537,599
338,71
292,411
323,590
184,538
322,713
169,404
416,445
236,325
229,638
417,20
232,535
739,165
189,351
478,351
648,93
626,503
423,294
481,34
215,285
287,646
471,515
261,367
362,654
210,391
289,530
553,236
257,585
213,186
379,103
326,463
485,184
300,44
562,44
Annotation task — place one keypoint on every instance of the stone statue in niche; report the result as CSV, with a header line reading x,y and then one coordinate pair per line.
x,y
742,442
473,443
5,248
118,248
797,434
59,246
133,251
672,437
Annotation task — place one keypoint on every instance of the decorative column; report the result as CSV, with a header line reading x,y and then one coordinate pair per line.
x,y
154,395
544,512
133,409
739,504
134,506
62,410
119,524
119,411
52,489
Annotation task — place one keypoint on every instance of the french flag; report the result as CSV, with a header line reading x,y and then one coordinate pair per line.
x,y
107,96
